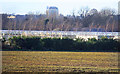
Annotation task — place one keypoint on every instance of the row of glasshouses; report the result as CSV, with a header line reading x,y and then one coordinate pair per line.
x,y
62,33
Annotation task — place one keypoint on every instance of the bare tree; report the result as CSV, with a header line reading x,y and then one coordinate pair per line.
x,y
107,11
83,12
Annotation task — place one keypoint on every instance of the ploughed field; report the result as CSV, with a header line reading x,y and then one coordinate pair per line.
x,y
48,61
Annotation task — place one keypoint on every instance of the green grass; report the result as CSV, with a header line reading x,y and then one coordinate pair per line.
x,y
40,61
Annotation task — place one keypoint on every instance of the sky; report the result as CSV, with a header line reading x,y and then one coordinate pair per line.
x,y
65,7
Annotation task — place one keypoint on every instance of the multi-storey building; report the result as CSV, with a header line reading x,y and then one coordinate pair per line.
x,y
52,12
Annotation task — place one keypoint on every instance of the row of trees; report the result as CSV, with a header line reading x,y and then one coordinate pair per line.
x,y
85,20
56,44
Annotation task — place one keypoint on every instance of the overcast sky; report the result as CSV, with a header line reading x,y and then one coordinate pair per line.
x,y
65,6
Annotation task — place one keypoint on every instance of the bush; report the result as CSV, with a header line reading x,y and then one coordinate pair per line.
x,y
26,43
65,44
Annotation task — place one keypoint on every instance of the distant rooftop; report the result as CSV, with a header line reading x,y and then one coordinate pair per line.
x,y
53,7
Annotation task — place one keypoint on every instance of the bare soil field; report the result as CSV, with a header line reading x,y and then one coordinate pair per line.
x,y
48,61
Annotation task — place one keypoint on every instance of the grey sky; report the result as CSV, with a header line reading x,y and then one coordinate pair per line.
x,y
65,6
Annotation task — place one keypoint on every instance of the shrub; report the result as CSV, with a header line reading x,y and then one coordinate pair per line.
x,y
65,44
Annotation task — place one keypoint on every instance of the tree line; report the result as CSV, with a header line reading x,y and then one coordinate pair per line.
x,y
57,44
105,20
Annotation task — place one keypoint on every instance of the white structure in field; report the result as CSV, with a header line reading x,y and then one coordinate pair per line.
x,y
52,12
60,34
